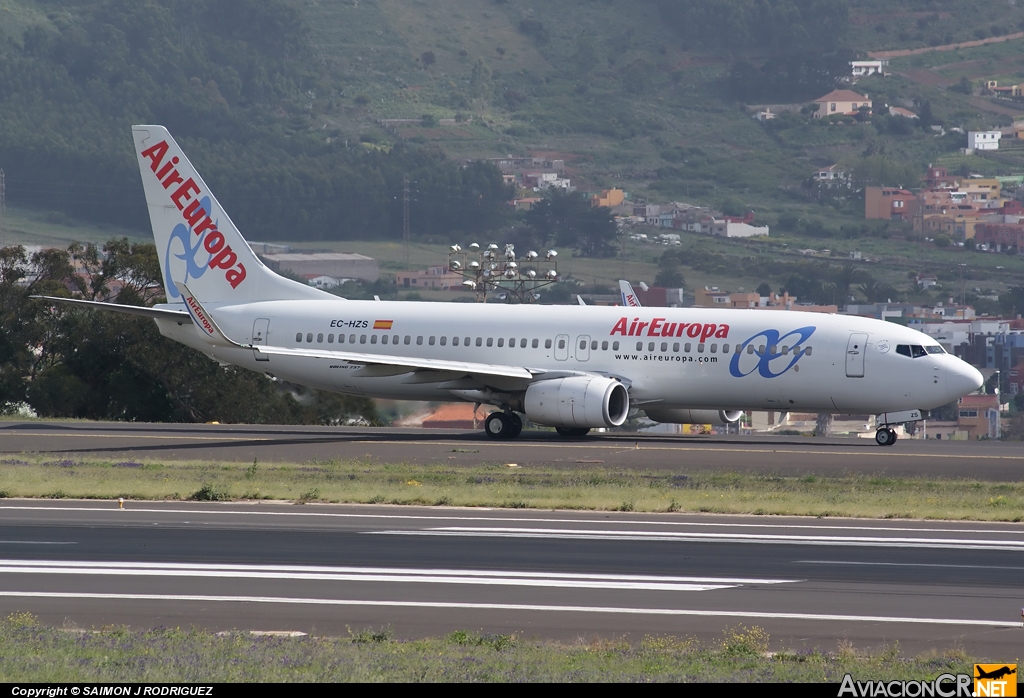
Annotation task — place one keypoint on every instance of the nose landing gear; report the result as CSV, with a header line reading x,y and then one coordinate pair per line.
x,y
886,436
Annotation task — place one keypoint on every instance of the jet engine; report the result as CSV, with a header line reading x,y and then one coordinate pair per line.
x,y
676,416
577,401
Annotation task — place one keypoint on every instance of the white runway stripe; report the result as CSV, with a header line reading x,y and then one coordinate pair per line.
x,y
749,615
1012,529
389,575
594,534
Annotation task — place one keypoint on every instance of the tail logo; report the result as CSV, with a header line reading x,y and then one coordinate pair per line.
x,y
195,211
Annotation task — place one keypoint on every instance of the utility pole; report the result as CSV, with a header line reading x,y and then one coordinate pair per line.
x,y
405,217
3,210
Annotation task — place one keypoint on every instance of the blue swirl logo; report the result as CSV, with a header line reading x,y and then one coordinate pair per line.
x,y
180,247
762,361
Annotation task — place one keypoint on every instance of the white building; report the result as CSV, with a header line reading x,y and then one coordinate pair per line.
x,y
983,140
862,69
728,229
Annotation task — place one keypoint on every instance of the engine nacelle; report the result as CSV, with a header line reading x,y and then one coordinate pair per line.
x,y
675,416
578,401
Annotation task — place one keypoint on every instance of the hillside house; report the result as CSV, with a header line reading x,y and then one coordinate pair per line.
x,y
900,111
862,69
983,140
840,103
1015,379
832,176
608,198
729,229
889,203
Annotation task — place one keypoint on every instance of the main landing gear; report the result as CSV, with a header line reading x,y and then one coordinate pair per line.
x,y
886,436
503,425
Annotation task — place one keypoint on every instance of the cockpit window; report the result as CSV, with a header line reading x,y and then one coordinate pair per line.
x,y
935,349
915,351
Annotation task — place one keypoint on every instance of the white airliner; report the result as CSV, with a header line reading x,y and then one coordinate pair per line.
x,y
571,367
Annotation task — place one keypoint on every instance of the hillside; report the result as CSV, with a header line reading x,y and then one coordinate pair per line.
x,y
283,104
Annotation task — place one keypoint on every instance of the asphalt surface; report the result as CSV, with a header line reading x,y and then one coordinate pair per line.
x,y
328,569
779,455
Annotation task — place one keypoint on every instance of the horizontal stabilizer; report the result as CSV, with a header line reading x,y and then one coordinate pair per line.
x,y
156,313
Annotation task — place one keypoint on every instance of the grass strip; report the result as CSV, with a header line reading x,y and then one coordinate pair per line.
x,y
592,487
31,652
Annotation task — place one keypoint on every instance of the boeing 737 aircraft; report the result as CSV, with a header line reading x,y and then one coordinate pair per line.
x,y
570,367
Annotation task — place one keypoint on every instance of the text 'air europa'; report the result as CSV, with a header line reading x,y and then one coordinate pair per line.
x,y
659,327
186,198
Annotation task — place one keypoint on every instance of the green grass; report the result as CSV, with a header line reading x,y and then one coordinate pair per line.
x,y
593,487
31,652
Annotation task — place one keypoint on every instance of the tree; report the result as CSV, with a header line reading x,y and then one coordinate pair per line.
x,y
669,273
480,83
568,220
764,289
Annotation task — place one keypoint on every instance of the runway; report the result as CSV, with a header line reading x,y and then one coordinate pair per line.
x,y
772,455
328,569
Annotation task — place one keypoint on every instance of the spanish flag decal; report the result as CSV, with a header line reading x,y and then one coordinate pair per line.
x,y
383,324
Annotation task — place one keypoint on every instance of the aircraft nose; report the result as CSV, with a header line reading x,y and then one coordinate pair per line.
x,y
962,379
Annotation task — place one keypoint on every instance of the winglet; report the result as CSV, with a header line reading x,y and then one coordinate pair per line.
x,y
203,321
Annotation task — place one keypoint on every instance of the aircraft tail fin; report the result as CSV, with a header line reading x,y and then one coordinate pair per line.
x,y
629,298
195,239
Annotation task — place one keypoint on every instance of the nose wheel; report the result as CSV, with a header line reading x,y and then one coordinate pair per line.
x,y
885,436
503,425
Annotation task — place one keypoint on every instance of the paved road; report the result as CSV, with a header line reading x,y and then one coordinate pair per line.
x,y
767,455
566,575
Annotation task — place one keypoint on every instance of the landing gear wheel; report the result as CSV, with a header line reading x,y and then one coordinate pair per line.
x,y
517,425
885,437
498,425
572,432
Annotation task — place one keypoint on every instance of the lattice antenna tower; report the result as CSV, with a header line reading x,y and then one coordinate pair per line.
x,y
3,211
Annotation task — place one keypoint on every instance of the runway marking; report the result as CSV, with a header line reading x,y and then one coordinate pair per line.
x,y
656,536
38,542
766,615
139,436
468,516
904,564
389,575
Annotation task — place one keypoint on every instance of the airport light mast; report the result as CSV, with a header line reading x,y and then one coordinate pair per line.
x,y
493,270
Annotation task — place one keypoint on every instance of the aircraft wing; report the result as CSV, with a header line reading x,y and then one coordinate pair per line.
x,y
163,313
402,362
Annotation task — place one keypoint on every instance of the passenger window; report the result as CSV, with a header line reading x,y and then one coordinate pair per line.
x,y
650,346
490,341
687,348
675,347
535,344
512,343
739,348
604,346
430,341
725,348
466,342
760,349
444,340
352,339
408,339
501,342
615,346
808,351
547,344
479,341
384,339
341,339
700,348
320,338
309,337
373,339
330,339
583,344
785,350
750,348
362,339
522,343
298,336
664,346
561,343
455,341
774,350
593,344
419,340
639,346
714,348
